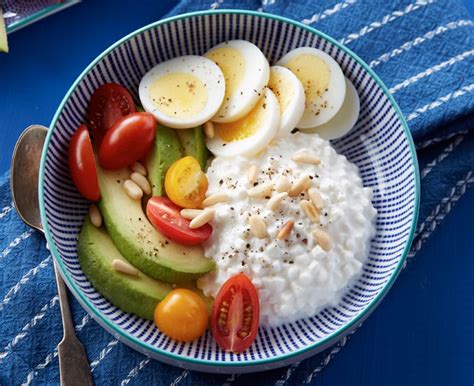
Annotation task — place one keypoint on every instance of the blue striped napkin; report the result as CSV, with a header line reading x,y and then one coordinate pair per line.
x,y
423,50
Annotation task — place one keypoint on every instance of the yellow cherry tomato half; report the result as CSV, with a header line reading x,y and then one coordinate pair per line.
x,y
182,315
185,183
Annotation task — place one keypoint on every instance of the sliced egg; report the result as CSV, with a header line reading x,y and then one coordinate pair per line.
x,y
323,83
345,119
246,72
290,95
251,133
183,92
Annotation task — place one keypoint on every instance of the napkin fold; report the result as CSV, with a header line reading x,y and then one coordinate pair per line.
x,y
422,50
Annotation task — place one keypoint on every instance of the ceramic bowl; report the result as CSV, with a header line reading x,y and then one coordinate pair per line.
x,y
380,145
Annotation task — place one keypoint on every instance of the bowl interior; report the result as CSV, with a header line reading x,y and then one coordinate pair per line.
x,y
380,145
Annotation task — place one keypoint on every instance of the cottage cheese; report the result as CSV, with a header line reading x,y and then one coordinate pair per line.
x,y
295,278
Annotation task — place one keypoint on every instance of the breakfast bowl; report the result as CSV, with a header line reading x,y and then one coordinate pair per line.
x,y
380,145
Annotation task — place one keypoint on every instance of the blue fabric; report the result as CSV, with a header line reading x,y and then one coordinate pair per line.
x,y
30,327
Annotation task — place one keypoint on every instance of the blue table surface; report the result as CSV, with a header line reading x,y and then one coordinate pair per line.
x,y
422,333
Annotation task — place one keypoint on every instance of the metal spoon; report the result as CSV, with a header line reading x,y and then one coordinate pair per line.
x,y
73,365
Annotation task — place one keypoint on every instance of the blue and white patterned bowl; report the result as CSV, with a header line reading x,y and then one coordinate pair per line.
x,y
380,145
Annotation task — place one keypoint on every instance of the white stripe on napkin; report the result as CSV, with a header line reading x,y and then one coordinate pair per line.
x,y
231,379
432,141
431,70
440,101
435,212
328,12
25,330
15,243
182,376
6,210
385,20
288,374
447,151
133,372
440,212
31,273
421,39
103,354
216,4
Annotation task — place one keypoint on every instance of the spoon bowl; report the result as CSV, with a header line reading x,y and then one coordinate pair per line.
x,y
24,174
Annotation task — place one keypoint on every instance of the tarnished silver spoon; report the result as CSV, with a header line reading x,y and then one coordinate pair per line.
x,y
73,365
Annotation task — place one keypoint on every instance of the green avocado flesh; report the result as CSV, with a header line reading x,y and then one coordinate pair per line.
x,y
137,295
138,241
3,33
166,150
193,143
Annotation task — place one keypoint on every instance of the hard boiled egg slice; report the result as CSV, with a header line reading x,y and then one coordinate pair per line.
x,y
290,95
323,83
345,119
246,72
183,92
250,134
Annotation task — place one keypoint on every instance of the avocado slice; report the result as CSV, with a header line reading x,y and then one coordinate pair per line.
x,y
193,142
137,295
3,33
138,241
166,150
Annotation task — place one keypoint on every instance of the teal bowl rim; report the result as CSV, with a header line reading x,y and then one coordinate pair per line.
x,y
147,347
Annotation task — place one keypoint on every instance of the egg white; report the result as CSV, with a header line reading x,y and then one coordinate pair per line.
x,y
196,102
265,129
345,119
290,94
315,69
246,71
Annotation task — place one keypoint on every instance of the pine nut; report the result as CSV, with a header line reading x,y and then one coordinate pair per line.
x,y
190,213
261,190
209,129
283,184
285,231
310,210
307,158
203,218
139,168
300,185
252,174
141,181
133,190
95,216
275,202
124,267
323,239
215,199
258,226
316,198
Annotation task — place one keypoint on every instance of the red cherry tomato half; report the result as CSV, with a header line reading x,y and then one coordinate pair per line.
x,y
82,164
108,104
165,216
129,140
235,314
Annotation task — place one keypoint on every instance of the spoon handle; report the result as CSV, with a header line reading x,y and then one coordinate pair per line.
x,y
73,364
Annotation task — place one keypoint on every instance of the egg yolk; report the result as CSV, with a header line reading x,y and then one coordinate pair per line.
x,y
232,65
179,95
244,127
313,73
282,88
